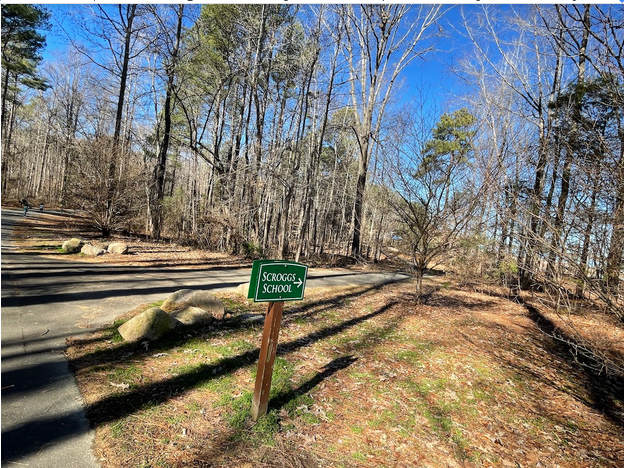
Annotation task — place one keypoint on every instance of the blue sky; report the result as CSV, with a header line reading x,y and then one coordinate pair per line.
x,y
431,72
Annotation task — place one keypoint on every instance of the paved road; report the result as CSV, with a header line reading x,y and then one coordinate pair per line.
x,y
44,301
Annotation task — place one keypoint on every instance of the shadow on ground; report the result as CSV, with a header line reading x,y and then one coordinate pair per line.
x,y
606,389
120,405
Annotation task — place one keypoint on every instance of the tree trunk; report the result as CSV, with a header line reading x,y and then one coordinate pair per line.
x,y
121,98
572,146
161,164
614,258
356,219
580,288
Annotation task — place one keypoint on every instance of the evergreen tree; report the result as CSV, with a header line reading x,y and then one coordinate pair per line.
x,y
21,44
434,200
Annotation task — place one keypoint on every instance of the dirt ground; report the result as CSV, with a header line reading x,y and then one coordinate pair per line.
x,y
365,377
46,232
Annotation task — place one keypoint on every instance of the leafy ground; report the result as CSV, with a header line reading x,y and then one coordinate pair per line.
x,y
364,377
45,233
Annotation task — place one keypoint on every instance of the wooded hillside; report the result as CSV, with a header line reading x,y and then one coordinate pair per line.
x,y
295,131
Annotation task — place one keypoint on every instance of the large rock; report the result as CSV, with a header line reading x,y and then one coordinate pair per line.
x,y
72,245
92,250
192,315
242,289
118,248
177,300
203,299
149,325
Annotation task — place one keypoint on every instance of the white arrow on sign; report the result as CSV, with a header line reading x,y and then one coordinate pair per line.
x,y
298,282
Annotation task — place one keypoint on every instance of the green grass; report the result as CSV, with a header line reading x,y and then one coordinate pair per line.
x,y
193,407
423,387
222,385
187,369
439,421
283,371
113,331
237,410
117,429
240,346
177,419
299,321
420,351
266,427
125,374
386,418
363,377
234,348
356,429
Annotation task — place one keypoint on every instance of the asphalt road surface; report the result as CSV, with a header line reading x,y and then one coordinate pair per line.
x,y
45,301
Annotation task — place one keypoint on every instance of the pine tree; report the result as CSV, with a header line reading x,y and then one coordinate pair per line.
x,y
21,44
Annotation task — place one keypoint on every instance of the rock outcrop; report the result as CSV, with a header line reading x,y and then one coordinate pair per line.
x,y
184,307
192,315
92,250
242,289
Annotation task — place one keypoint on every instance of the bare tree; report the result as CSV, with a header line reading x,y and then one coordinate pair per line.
x,y
380,41
113,39
168,48
608,33
533,77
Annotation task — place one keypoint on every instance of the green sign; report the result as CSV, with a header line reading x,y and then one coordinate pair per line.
x,y
277,280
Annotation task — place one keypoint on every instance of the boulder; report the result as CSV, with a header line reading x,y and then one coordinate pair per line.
x,y
202,299
177,300
118,248
210,303
149,325
72,245
242,289
192,315
92,250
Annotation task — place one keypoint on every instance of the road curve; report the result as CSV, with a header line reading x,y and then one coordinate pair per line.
x,y
45,301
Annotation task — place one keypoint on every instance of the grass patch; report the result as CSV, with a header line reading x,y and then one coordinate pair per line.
x,y
117,429
124,373
238,409
222,385
113,330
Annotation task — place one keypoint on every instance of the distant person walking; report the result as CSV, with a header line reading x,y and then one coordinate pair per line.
x,y
41,207
24,202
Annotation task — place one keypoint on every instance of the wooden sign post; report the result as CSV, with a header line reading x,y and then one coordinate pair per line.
x,y
273,282
268,348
